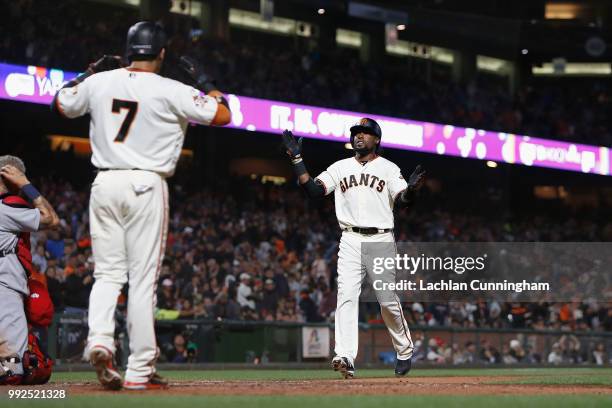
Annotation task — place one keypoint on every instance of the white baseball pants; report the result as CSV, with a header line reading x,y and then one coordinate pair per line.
x,y
351,272
128,213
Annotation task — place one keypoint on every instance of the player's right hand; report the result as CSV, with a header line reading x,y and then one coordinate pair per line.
x,y
106,63
14,176
293,147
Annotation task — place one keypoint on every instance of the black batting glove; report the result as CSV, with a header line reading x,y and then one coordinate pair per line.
x,y
292,146
416,179
106,63
415,182
196,73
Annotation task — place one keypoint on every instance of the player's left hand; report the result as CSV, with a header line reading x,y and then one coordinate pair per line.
x,y
293,147
416,179
106,63
14,176
196,73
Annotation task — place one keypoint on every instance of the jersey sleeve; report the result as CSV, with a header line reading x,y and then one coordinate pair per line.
x,y
18,218
190,104
397,184
329,178
74,102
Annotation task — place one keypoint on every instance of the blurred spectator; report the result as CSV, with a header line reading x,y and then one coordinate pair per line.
x,y
556,355
435,353
488,353
55,287
39,258
226,308
269,302
245,293
309,308
76,290
600,357
179,353
517,352
166,298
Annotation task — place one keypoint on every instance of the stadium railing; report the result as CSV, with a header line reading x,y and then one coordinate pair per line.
x,y
273,342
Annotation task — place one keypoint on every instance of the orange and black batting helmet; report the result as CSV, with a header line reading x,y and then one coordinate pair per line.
x,y
366,125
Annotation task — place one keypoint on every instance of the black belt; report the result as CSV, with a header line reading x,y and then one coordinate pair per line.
x,y
6,252
119,169
367,231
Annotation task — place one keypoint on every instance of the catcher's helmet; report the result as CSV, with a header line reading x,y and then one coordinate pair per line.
x,y
145,39
366,125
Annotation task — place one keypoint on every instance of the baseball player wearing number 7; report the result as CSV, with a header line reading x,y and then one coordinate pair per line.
x,y
138,123
366,188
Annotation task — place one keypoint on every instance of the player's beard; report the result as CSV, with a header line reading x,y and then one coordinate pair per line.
x,y
363,151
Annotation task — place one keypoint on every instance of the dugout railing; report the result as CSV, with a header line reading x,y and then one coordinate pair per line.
x,y
252,342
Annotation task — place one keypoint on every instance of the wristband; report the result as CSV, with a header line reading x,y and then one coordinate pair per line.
x,y
30,191
299,167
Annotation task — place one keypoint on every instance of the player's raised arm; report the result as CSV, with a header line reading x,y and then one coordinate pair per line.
x,y
72,100
25,219
211,109
406,197
313,188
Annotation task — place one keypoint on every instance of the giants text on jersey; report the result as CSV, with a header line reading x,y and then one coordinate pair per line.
x,y
364,194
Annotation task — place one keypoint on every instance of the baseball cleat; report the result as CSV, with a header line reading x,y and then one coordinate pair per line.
x,y
156,382
102,360
336,363
402,367
343,365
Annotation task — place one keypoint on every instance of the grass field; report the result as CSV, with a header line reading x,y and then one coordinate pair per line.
x,y
497,388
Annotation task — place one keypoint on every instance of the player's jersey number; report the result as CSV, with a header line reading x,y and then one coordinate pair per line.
x,y
132,108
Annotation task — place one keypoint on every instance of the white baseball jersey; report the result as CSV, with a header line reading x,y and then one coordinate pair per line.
x,y
364,193
138,118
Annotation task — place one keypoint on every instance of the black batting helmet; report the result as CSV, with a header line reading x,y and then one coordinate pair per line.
x,y
366,125
145,40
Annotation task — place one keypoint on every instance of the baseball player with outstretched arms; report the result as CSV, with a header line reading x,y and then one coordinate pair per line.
x,y
138,123
21,360
366,187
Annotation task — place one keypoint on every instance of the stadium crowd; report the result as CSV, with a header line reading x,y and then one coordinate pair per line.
x,y
70,35
524,349
261,252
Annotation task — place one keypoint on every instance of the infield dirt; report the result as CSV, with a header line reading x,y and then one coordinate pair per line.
x,y
482,385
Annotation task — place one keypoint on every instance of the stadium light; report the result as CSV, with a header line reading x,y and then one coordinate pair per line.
x,y
321,11
491,164
401,27
524,51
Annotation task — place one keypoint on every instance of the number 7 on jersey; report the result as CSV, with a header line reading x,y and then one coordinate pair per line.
x,y
132,107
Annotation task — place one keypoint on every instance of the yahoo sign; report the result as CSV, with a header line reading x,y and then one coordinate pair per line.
x,y
38,85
